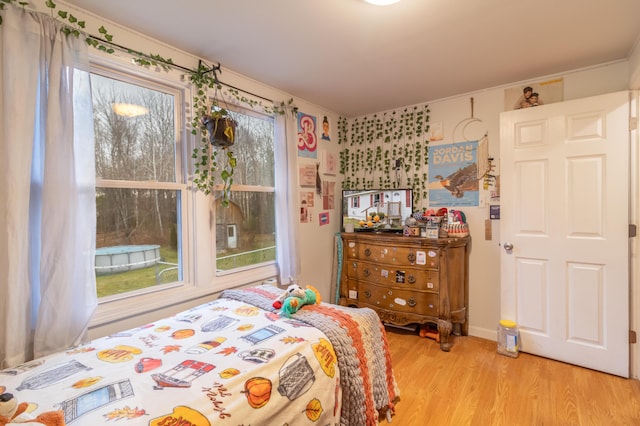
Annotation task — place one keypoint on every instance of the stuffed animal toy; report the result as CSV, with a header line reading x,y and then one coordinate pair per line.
x,y
292,290
298,299
14,413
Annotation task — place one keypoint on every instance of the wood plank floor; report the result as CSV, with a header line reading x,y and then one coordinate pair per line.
x,y
473,385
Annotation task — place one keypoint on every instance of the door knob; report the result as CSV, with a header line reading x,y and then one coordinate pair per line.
x,y
508,247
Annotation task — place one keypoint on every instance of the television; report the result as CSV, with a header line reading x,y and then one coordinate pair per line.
x,y
376,210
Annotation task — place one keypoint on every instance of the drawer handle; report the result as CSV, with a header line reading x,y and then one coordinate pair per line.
x,y
366,272
412,302
411,257
411,279
367,293
367,252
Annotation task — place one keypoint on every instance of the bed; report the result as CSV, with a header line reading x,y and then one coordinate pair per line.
x,y
233,361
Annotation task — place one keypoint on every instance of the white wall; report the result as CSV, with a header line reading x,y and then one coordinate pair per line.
x,y
317,242
634,67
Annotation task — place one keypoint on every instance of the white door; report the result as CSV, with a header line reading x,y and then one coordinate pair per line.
x,y
565,213
232,238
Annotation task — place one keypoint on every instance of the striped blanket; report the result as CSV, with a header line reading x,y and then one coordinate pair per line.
x,y
369,388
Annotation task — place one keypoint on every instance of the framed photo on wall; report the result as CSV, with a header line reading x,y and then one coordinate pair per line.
x,y
534,94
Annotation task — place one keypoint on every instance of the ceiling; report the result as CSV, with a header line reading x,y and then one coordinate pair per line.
x,y
354,58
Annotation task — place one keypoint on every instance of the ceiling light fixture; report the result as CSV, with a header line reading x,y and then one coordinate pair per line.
x,y
382,2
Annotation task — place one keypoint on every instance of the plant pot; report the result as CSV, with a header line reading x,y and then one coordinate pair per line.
x,y
222,131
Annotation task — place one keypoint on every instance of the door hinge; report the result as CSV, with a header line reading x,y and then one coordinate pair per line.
x,y
632,336
633,230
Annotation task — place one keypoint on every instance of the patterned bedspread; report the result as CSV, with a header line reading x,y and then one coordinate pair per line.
x,y
358,337
225,362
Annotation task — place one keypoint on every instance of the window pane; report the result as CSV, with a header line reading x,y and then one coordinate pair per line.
x,y
254,150
137,239
138,228
245,231
134,130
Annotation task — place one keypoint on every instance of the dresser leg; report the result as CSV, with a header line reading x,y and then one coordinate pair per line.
x,y
444,329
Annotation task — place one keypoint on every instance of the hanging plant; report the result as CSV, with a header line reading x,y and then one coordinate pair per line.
x,y
217,131
221,128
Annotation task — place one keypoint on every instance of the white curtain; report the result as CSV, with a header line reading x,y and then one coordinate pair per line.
x,y
287,205
47,188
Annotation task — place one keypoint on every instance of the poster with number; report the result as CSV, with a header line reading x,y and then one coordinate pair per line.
x,y
307,138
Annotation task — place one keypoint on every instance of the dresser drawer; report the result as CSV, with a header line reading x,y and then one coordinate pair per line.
x,y
399,300
407,277
350,250
350,288
427,257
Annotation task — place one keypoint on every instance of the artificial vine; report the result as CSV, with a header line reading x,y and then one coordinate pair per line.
x,y
204,155
373,144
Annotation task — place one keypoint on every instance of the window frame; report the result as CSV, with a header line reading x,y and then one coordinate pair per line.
x,y
198,239
249,188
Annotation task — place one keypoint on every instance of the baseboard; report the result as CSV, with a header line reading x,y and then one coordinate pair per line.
x,y
484,333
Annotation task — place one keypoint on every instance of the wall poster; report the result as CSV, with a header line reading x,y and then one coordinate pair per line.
x,y
307,139
307,175
306,206
534,94
323,218
453,175
326,129
328,163
328,194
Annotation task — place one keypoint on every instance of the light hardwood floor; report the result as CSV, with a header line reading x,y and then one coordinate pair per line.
x,y
473,385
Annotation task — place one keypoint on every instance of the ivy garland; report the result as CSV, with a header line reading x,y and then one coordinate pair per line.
x,y
372,144
205,156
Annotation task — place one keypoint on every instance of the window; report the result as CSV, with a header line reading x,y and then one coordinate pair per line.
x,y
245,231
376,200
148,237
138,190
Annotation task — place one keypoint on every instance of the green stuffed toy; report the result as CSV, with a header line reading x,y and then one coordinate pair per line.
x,y
296,297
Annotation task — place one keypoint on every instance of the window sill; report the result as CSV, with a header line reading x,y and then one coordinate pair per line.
x,y
127,309
122,309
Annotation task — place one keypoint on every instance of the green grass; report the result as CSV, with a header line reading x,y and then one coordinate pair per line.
x,y
244,259
108,285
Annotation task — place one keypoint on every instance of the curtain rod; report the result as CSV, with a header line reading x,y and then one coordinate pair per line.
x,y
159,59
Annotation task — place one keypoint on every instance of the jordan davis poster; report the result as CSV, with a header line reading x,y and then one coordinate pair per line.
x,y
453,175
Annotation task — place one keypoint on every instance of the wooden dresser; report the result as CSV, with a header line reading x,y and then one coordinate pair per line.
x,y
408,280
